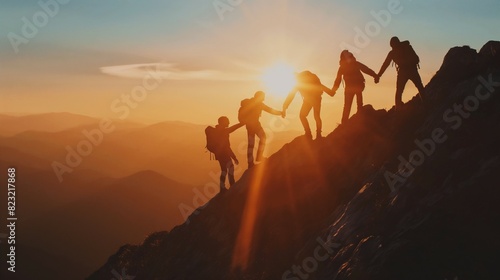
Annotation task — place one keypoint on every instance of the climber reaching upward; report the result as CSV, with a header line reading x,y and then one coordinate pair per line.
x,y
218,143
249,114
407,63
311,89
352,72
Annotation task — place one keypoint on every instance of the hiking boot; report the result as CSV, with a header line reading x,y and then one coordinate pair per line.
x,y
308,135
318,135
223,190
250,165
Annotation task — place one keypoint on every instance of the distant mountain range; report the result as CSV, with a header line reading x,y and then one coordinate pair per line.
x,y
140,179
174,149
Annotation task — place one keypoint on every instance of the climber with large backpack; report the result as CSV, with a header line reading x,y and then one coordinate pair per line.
x,y
219,145
311,89
407,65
352,71
249,114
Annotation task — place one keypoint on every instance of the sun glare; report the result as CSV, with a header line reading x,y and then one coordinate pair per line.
x,y
279,79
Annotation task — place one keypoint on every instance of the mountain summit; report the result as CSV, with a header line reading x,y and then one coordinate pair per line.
x,y
406,194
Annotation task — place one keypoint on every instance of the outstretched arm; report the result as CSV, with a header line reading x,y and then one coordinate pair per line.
x,y
234,127
367,70
387,61
336,85
289,98
327,90
271,110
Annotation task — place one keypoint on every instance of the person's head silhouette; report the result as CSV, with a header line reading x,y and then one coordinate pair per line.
x,y
223,121
395,42
259,96
303,77
307,78
346,57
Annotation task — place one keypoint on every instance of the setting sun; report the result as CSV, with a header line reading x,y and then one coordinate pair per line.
x,y
279,79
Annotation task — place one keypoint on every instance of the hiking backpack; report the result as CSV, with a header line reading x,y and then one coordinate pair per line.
x,y
248,111
213,140
406,55
310,81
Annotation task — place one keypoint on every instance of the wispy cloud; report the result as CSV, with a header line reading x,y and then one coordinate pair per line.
x,y
171,71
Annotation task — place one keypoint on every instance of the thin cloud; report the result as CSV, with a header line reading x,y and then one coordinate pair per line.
x,y
170,71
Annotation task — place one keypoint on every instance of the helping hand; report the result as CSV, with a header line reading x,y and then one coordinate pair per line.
x,y
236,161
283,114
377,79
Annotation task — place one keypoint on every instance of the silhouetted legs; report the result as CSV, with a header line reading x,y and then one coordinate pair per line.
x,y
227,167
304,111
253,130
350,92
317,117
403,76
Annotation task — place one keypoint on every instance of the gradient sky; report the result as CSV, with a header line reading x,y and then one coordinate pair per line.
x,y
93,52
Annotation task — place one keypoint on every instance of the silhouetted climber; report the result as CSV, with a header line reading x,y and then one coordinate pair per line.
x,y
311,89
249,114
407,64
350,69
218,144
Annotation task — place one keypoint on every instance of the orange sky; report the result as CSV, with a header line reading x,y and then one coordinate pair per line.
x,y
88,58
